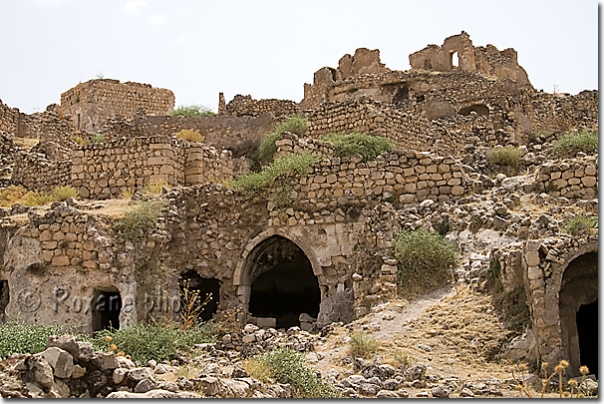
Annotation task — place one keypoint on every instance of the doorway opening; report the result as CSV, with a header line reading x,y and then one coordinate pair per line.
x,y
4,299
587,328
205,288
284,284
106,307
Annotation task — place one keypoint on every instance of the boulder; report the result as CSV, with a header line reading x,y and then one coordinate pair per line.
x,y
138,374
105,360
144,386
78,371
119,375
60,360
386,394
41,370
153,394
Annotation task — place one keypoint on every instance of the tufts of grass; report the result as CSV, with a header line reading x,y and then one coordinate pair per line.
x,y
505,156
287,165
190,135
369,147
578,224
192,110
423,259
362,345
154,187
160,342
573,143
288,366
19,337
139,219
99,138
267,149
18,194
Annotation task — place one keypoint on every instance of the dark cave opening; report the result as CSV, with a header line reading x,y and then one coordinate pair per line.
x,y
287,289
587,328
4,299
106,309
206,288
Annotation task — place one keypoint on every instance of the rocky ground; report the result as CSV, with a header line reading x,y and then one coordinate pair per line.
x,y
440,345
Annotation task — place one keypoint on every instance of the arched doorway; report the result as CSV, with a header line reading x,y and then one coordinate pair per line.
x,y
107,304
479,109
578,313
282,284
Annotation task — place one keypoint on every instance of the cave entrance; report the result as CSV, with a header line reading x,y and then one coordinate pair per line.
x,y
578,312
479,109
284,284
587,329
4,298
205,287
106,307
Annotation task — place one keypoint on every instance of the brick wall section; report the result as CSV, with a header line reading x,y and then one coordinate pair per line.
x,y
573,178
92,103
245,105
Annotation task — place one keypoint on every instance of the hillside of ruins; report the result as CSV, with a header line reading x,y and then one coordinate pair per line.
x,y
110,218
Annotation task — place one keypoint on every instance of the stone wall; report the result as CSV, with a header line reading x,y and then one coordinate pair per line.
x,y
90,104
106,170
13,121
245,105
219,131
573,178
36,172
487,61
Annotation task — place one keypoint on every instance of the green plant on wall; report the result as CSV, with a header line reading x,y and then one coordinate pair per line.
x,y
267,149
369,147
192,110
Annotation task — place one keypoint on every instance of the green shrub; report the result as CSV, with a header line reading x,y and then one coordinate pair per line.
x,y
100,138
144,342
289,366
362,345
580,223
191,110
286,165
369,147
139,219
505,156
19,337
190,135
423,259
573,143
267,149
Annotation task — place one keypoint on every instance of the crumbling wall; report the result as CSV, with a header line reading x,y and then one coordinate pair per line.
x,y
13,121
487,61
572,178
90,104
36,172
103,171
245,105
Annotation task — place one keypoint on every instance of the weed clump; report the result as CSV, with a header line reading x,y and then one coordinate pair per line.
x,y
191,110
284,365
139,219
362,345
160,342
573,143
19,337
267,149
287,165
190,135
369,147
505,156
18,194
423,259
579,224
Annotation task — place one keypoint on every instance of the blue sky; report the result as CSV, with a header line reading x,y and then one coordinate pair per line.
x,y
268,48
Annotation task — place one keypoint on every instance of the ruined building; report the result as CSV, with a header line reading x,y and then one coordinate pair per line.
x,y
327,255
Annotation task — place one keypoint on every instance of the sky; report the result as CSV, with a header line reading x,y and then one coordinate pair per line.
x,y
270,48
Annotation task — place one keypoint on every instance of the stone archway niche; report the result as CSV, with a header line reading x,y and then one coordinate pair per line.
x,y
278,280
578,324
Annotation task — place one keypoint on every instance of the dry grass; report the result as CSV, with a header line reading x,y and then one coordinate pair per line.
x,y
17,194
362,345
26,143
257,369
155,187
190,135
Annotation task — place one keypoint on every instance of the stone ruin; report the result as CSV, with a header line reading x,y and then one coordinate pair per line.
x,y
328,256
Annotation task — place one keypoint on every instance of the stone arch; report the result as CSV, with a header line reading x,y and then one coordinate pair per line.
x,y
277,280
479,108
578,290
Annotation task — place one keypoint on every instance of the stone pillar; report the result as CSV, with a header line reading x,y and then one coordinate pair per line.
x,y
221,104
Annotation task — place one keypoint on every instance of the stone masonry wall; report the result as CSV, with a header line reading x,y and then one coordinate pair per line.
x,y
92,103
36,172
573,178
245,105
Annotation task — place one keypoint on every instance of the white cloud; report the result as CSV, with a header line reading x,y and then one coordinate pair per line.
x,y
134,6
157,19
49,3
186,38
